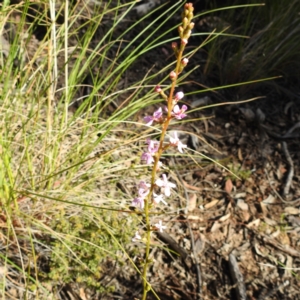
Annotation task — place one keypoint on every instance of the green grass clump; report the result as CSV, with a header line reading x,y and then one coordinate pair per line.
x,y
237,172
269,46
87,244
65,153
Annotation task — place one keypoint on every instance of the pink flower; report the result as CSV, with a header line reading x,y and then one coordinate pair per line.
x,y
148,158
179,96
143,189
159,226
152,149
174,141
152,146
159,198
165,184
157,116
143,185
138,202
179,113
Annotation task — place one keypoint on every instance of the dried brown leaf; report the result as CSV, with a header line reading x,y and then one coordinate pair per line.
x,y
200,244
211,204
192,202
191,186
254,224
270,222
269,200
240,155
292,210
284,238
215,227
246,215
260,250
228,186
241,204
195,218
82,294
224,218
289,266
264,208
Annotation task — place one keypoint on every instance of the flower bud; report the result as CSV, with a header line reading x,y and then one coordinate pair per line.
x,y
184,41
174,45
185,61
184,13
189,6
185,22
157,89
175,48
187,34
180,30
173,75
179,96
191,25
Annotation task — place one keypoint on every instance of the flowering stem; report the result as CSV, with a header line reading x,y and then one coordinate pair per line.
x,y
153,175
155,152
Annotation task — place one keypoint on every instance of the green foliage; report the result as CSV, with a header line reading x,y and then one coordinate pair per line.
x,y
236,172
85,243
261,41
50,152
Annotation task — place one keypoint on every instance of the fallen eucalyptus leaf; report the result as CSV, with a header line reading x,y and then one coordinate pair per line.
x,y
224,218
192,202
292,210
254,223
210,204
242,205
228,186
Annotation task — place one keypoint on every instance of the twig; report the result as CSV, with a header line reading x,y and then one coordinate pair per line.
x,y
277,194
290,161
197,264
264,296
297,125
289,178
163,236
284,248
237,278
